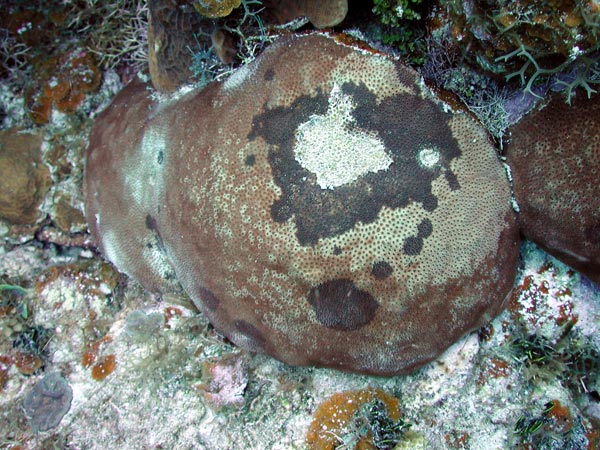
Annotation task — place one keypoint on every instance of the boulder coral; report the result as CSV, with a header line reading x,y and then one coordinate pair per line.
x,y
320,205
216,8
554,154
171,31
321,13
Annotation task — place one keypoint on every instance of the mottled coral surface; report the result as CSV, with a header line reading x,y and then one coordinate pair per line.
x,y
554,154
529,379
320,206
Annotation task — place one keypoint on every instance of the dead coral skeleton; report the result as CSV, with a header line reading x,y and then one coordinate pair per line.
x,y
122,35
14,56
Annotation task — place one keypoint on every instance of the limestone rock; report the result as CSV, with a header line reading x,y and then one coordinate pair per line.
x,y
24,179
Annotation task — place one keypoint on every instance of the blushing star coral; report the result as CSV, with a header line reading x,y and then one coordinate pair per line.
x,y
320,206
554,154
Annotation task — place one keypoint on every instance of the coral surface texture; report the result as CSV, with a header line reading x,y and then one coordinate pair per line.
x,y
319,206
555,159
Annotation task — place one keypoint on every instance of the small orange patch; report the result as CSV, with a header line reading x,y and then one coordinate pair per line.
x,y
5,363
63,82
88,359
563,421
499,368
593,437
27,363
335,413
104,368
106,364
170,312
496,368
457,440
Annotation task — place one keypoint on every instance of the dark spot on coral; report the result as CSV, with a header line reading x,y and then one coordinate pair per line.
x,y
414,244
452,180
151,223
269,74
425,228
161,157
169,276
337,250
320,213
429,203
381,270
250,160
257,340
340,305
209,299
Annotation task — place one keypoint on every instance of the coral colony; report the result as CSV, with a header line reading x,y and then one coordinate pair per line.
x,y
320,206
234,224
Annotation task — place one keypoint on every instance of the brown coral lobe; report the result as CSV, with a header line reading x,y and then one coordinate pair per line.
x,y
554,155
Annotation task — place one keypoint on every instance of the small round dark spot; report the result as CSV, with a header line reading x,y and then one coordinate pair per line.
x,y
337,250
169,276
269,74
425,228
381,270
340,305
256,340
250,160
430,203
412,245
151,223
208,298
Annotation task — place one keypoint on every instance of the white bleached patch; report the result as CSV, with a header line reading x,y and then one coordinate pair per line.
x,y
429,157
112,248
238,77
140,179
333,148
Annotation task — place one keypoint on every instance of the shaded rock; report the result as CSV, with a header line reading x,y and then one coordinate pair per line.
x,y
24,179
62,83
524,41
319,206
554,155
48,402
171,35
66,216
